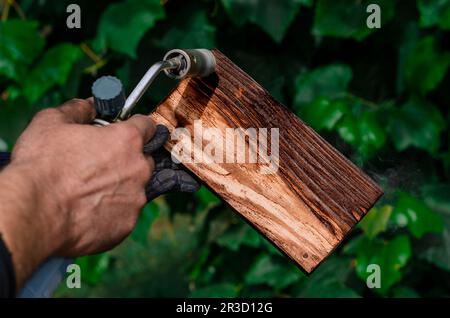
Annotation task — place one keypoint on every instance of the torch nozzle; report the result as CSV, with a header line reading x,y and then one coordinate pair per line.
x,y
177,64
193,63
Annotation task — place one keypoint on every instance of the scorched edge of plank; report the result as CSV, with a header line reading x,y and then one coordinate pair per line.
x,y
314,198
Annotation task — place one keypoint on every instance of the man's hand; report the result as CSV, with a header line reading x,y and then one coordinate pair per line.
x,y
71,188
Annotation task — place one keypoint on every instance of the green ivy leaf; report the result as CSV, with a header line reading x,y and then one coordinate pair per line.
x,y
372,134
436,196
123,24
363,132
93,267
391,256
327,81
54,68
13,92
13,120
376,220
223,290
351,248
196,31
415,215
148,215
419,124
409,38
434,13
3,145
20,44
321,101
206,199
241,234
265,270
273,16
269,247
425,67
347,19
323,113
327,281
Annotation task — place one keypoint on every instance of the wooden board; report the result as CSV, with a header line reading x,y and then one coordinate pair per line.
x,y
314,198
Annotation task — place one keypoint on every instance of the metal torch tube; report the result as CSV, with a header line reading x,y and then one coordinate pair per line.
x,y
144,83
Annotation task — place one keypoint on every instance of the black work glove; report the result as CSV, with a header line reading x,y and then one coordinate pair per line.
x,y
168,176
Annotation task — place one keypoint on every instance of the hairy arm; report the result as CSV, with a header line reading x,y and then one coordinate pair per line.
x,y
72,189
24,222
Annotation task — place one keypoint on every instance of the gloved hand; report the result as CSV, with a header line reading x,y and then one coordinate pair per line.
x,y
168,176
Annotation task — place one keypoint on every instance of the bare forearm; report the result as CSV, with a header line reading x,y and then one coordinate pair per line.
x,y
69,182
23,226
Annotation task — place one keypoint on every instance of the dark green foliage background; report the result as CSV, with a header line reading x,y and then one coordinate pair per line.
x,y
379,96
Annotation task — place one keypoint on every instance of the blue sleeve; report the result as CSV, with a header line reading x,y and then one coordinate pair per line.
x,y
7,275
4,158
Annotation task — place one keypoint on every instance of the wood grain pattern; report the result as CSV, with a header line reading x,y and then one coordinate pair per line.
x,y
314,199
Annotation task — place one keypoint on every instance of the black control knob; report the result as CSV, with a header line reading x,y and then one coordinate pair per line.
x,y
109,97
